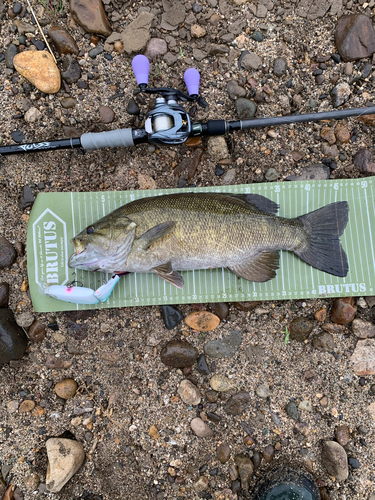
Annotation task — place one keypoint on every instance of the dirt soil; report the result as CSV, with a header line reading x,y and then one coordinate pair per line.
x,y
115,354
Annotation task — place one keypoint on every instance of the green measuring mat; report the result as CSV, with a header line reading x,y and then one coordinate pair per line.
x,y
58,217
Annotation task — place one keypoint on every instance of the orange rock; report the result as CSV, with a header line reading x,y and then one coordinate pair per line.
x,y
193,142
153,431
342,133
25,285
367,119
26,406
40,69
321,315
203,321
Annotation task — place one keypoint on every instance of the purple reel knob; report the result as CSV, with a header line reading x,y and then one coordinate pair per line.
x,y
141,67
192,77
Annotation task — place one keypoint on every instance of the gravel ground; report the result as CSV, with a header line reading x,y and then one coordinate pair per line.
x,y
115,354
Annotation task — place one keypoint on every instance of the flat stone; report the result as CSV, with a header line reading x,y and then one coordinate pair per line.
x,y
343,310
66,388
263,391
40,69
156,47
363,160
300,329
292,410
245,469
335,460
342,133
305,405
90,14
8,253
13,341
324,342
202,365
317,171
340,94
217,148
171,316
189,393
200,428
63,41
25,319
268,453
221,309
203,321
173,16
178,354
354,37
236,404
220,383
217,349
251,61
363,357
223,453
4,294
10,53
107,115
68,102
342,434
65,457
280,66
363,329
37,331
137,34
32,115
26,406
246,108
71,70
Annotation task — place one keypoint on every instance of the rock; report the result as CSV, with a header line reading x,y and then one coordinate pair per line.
x,y
71,70
64,43
32,115
251,61
25,319
197,31
268,453
200,428
133,108
363,329
223,453
154,432
8,253
363,357
178,354
343,310
31,482
218,49
201,484
24,28
300,329
234,90
263,391
291,410
271,175
65,457
27,198
137,34
354,37
342,434
171,316
13,341
221,309
328,134
363,160
324,342
203,321
340,94
68,102
107,115
55,363
40,69
4,293
246,108
245,469
202,365
229,176
225,348
220,383
371,410
316,171
342,133
66,388
236,404
280,66
173,16
335,460
189,393
26,406
10,53
90,14
156,47
321,315
305,405
37,331
217,148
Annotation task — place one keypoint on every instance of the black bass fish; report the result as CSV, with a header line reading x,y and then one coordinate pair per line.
x,y
177,232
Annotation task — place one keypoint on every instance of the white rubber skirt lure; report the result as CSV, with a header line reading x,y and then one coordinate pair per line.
x,y
81,294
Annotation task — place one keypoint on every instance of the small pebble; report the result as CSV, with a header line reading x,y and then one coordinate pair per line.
x,y
200,428
292,411
66,388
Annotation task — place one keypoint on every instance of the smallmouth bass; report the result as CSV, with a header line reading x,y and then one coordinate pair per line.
x,y
177,232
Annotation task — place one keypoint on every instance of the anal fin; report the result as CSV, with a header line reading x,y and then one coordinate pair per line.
x,y
166,273
261,268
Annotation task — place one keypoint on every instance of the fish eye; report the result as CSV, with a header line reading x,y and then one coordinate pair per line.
x,y
90,230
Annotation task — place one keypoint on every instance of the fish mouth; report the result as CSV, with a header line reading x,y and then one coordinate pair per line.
x,y
79,247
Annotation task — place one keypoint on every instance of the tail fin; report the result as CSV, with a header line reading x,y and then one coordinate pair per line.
x,y
324,250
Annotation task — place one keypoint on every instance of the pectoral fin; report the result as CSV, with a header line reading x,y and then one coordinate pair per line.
x,y
165,273
262,268
156,232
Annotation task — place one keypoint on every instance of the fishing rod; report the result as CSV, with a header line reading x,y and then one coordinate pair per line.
x,y
169,123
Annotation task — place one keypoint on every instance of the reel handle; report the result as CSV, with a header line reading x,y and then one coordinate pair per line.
x,y
141,68
192,78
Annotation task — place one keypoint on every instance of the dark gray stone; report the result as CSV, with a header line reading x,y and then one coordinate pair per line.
x,y
9,55
13,341
171,316
246,108
8,253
